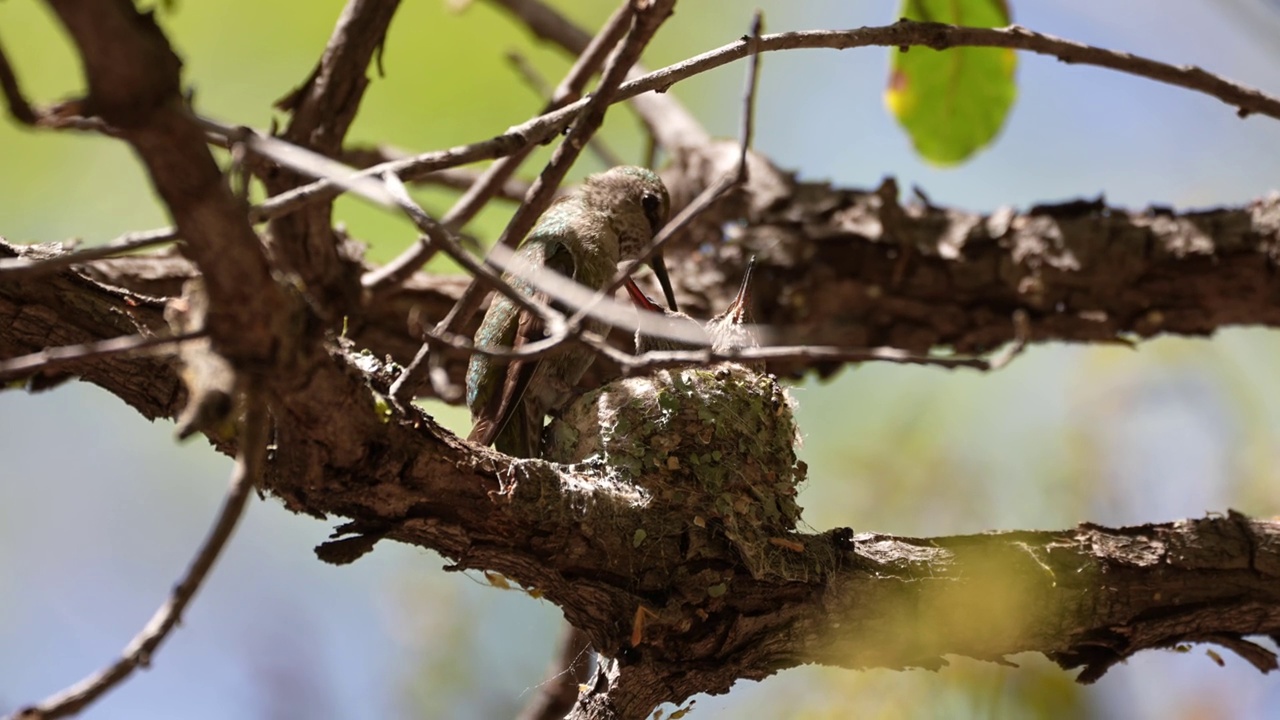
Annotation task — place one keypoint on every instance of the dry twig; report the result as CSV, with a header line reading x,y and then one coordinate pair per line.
x,y
902,34
56,358
253,448
569,90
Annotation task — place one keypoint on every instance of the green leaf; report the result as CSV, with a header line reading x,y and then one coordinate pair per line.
x,y
638,538
952,102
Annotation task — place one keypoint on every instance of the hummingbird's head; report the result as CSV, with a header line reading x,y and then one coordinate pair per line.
x,y
637,204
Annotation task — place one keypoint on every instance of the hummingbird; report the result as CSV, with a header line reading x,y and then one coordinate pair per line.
x,y
610,218
725,333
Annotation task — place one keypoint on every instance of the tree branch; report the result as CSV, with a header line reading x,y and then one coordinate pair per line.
x,y
134,86
34,261
1082,271
339,454
852,601
57,357
844,599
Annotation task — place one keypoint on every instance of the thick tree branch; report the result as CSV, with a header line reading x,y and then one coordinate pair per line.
x,y
409,480
1087,597
66,308
864,601
422,485
849,269
134,87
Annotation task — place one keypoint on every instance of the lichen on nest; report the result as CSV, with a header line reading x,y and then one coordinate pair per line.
x,y
711,446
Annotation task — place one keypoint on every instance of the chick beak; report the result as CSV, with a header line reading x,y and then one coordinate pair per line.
x,y
660,271
740,308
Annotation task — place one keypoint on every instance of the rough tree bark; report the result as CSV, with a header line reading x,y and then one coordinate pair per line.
x,y
848,268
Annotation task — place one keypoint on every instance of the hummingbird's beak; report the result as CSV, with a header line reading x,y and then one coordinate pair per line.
x,y
639,299
660,271
740,308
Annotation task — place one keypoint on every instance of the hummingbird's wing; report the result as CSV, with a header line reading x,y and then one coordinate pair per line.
x,y
503,405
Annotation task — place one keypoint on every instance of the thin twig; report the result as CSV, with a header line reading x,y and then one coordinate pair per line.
x,y
53,358
141,650
435,233
666,122
467,206
513,189
23,267
535,80
444,387
905,33
467,346
529,74
636,364
657,326
749,96
300,160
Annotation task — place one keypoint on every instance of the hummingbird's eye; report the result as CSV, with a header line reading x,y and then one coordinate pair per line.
x,y
653,212
652,204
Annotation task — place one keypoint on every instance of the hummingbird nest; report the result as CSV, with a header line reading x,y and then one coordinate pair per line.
x,y
712,448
